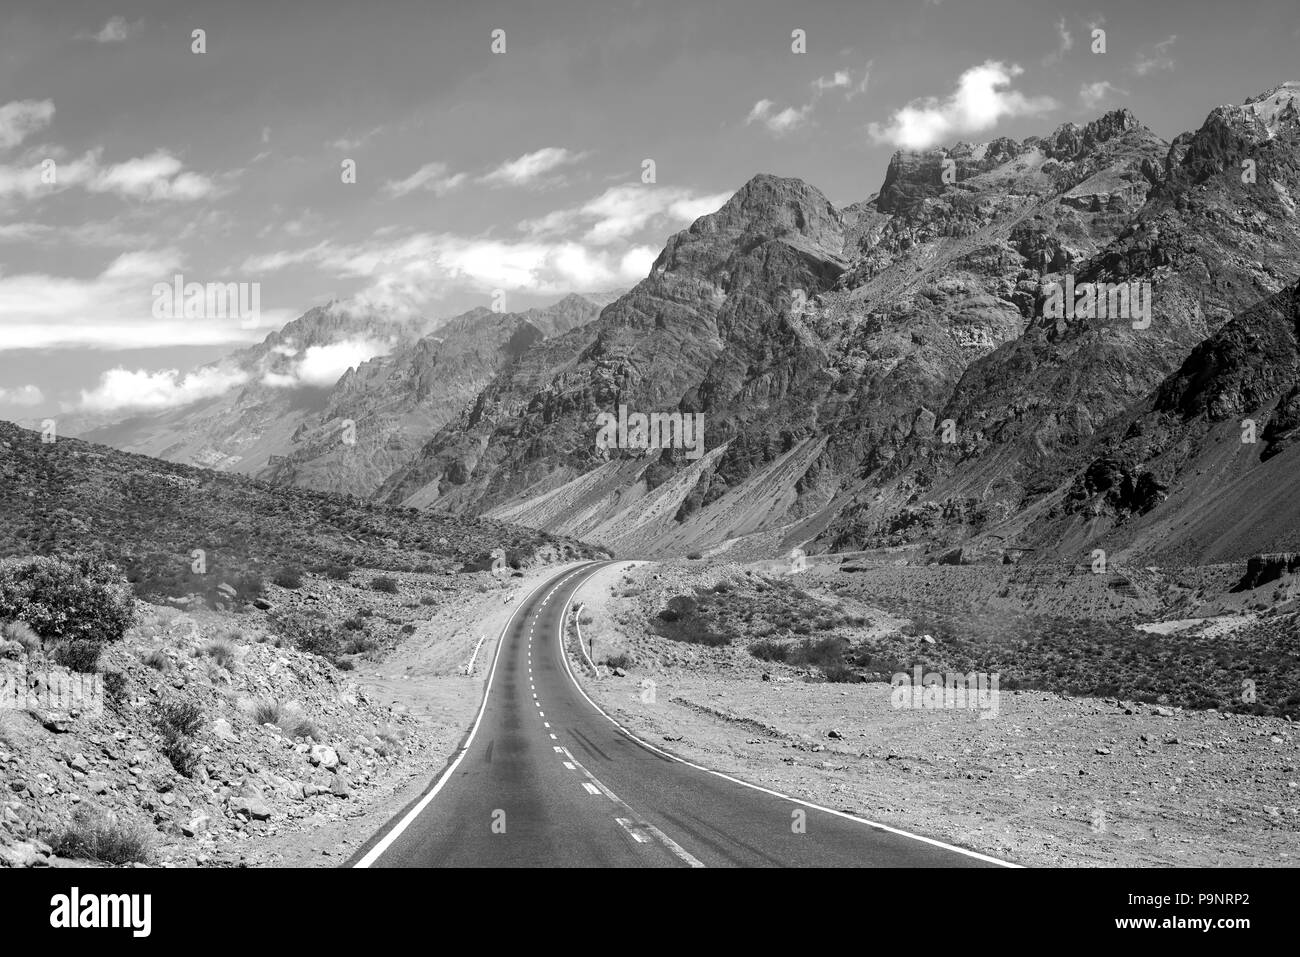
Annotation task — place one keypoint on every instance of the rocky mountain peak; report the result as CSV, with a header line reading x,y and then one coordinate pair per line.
x,y
783,202
1071,141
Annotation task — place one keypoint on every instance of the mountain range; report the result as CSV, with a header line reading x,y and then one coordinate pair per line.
x,y
887,376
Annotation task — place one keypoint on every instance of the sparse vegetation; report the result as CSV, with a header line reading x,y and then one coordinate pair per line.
x,y
99,836
288,577
80,656
21,633
178,720
158,660
385,584
223,652
146,515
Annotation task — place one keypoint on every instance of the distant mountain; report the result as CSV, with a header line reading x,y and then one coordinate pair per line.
x,y
832,352
287,421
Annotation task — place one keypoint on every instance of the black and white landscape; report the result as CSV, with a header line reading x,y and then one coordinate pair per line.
x,y
620,434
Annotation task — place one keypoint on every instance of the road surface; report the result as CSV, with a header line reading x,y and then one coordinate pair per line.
x,y
547,780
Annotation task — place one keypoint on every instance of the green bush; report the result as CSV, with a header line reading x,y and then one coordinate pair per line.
x,y
385,584
78,599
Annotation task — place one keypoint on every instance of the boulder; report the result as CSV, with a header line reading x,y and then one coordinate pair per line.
x,y
253,808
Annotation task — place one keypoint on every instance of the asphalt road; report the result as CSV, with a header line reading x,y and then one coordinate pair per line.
x,y
547,780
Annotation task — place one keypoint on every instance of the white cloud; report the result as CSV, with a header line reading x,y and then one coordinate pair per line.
x,y
404,274
347,143
432,177
584,247
323,365
778,122
22,395
121,388
1065,43
843,80
114,31
1155,58
979,102
622,211
19,119
531,169
111,310
1093,95
156,177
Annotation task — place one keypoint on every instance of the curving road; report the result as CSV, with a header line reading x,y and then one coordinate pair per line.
x,y
545,779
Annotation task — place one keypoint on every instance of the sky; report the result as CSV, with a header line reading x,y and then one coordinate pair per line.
x,y
418,157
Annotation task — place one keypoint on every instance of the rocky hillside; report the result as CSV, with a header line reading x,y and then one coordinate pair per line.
x,y
276,741
1040,417
178,530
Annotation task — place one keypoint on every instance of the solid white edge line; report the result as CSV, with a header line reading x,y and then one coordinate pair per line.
x,y
727,777
385,842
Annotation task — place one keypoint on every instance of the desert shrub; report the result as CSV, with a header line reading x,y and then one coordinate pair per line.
x,y
269,711
179,716
819,652
98,836
338,573
621,660
428,600
694,622
80,656
840,673
359,645
223,652
158,660
307,631
694,556
296,726
768,650
115,688
355,623
79,599
408,629
288,577
249,586
384,584
679,607
20,632
177,720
